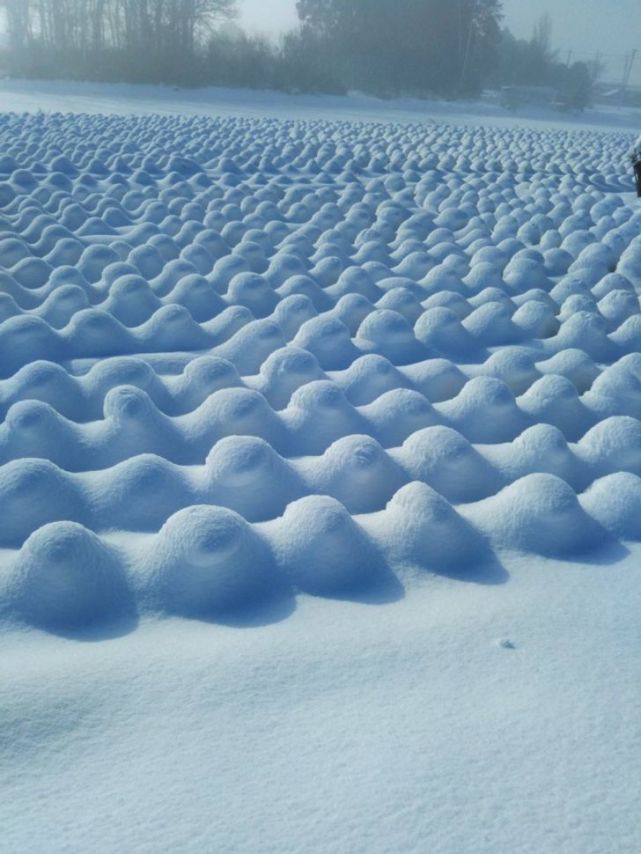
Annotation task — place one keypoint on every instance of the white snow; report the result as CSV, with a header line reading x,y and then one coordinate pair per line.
x,y
320,471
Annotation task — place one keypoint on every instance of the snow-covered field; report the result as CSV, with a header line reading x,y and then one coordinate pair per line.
x,y
121,98
320,480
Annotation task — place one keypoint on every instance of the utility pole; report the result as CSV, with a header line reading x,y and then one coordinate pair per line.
x,y
627,71
595,71
468,45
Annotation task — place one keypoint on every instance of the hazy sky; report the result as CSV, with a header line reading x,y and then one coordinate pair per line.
x,y
584,26
270,16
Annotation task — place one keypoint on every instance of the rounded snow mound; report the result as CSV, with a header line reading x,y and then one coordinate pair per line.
x,y
208,562
323,551
33,493
446,461
359,473
615,502
419,527
65,580
539,513
246,474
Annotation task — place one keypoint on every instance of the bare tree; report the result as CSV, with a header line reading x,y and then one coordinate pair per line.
x,y
19,21
140,25
542,36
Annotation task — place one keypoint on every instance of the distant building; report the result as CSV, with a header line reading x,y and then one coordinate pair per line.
x,y
615,93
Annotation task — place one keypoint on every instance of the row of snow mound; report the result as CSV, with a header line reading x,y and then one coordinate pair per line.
x,y
472,258
209,562
243,359
162,145
399,328
246,474
278,225
318,414
81,397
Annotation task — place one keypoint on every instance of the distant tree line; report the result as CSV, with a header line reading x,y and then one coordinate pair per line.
x,y
407,46
383,47
154,40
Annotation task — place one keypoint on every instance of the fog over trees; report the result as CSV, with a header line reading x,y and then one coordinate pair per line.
x,y
450,48
94,37
406,45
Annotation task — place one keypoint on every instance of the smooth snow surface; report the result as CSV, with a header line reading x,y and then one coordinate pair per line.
x,y
140,99
320,474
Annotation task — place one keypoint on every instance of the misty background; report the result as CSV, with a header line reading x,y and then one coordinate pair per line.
x,y
586,27
572,53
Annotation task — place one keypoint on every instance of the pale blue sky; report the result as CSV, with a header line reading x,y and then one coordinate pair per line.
x,y
584,26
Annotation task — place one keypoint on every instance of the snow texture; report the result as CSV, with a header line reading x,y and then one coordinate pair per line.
x,y
300,356
247,364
